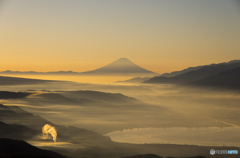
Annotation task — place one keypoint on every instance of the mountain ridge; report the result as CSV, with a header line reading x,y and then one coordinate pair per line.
x,y
227,79
194,75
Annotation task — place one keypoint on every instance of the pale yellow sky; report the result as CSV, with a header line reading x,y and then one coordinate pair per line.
x,y
161,36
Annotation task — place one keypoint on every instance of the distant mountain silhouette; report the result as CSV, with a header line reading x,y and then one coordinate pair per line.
x,y
226,79
122,66
18,148
195,75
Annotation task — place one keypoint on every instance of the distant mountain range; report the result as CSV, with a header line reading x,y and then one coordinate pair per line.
x,y
122,66
218,75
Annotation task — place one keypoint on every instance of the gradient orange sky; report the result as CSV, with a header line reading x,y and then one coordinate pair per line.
x,y
81,35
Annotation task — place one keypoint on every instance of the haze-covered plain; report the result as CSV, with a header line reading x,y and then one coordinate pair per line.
x,y
123,115
108,107
132,113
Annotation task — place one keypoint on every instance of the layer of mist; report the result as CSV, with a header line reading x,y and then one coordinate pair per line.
x,y
91,119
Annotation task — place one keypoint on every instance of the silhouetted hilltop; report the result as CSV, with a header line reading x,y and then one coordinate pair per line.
x,y
21,81
195,75
18,148
13,95
122,66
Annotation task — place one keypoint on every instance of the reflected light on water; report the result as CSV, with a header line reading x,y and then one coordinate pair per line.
x,y
227,136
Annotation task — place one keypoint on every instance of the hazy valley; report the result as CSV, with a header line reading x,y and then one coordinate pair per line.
x,y
120,119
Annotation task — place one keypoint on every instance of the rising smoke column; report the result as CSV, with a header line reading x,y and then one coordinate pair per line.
x,y
48,129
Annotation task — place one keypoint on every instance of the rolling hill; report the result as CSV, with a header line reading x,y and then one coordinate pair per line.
x,y
4,80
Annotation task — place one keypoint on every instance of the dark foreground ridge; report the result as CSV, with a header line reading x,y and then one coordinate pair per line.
x,y
18,148
13,95
156,156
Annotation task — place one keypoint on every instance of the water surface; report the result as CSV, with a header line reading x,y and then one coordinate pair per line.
x,y
227,136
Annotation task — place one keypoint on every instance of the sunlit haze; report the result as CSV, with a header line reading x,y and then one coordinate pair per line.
x,y
120,78
161,36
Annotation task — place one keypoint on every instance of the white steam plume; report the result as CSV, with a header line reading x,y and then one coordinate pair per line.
x,y
48,129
